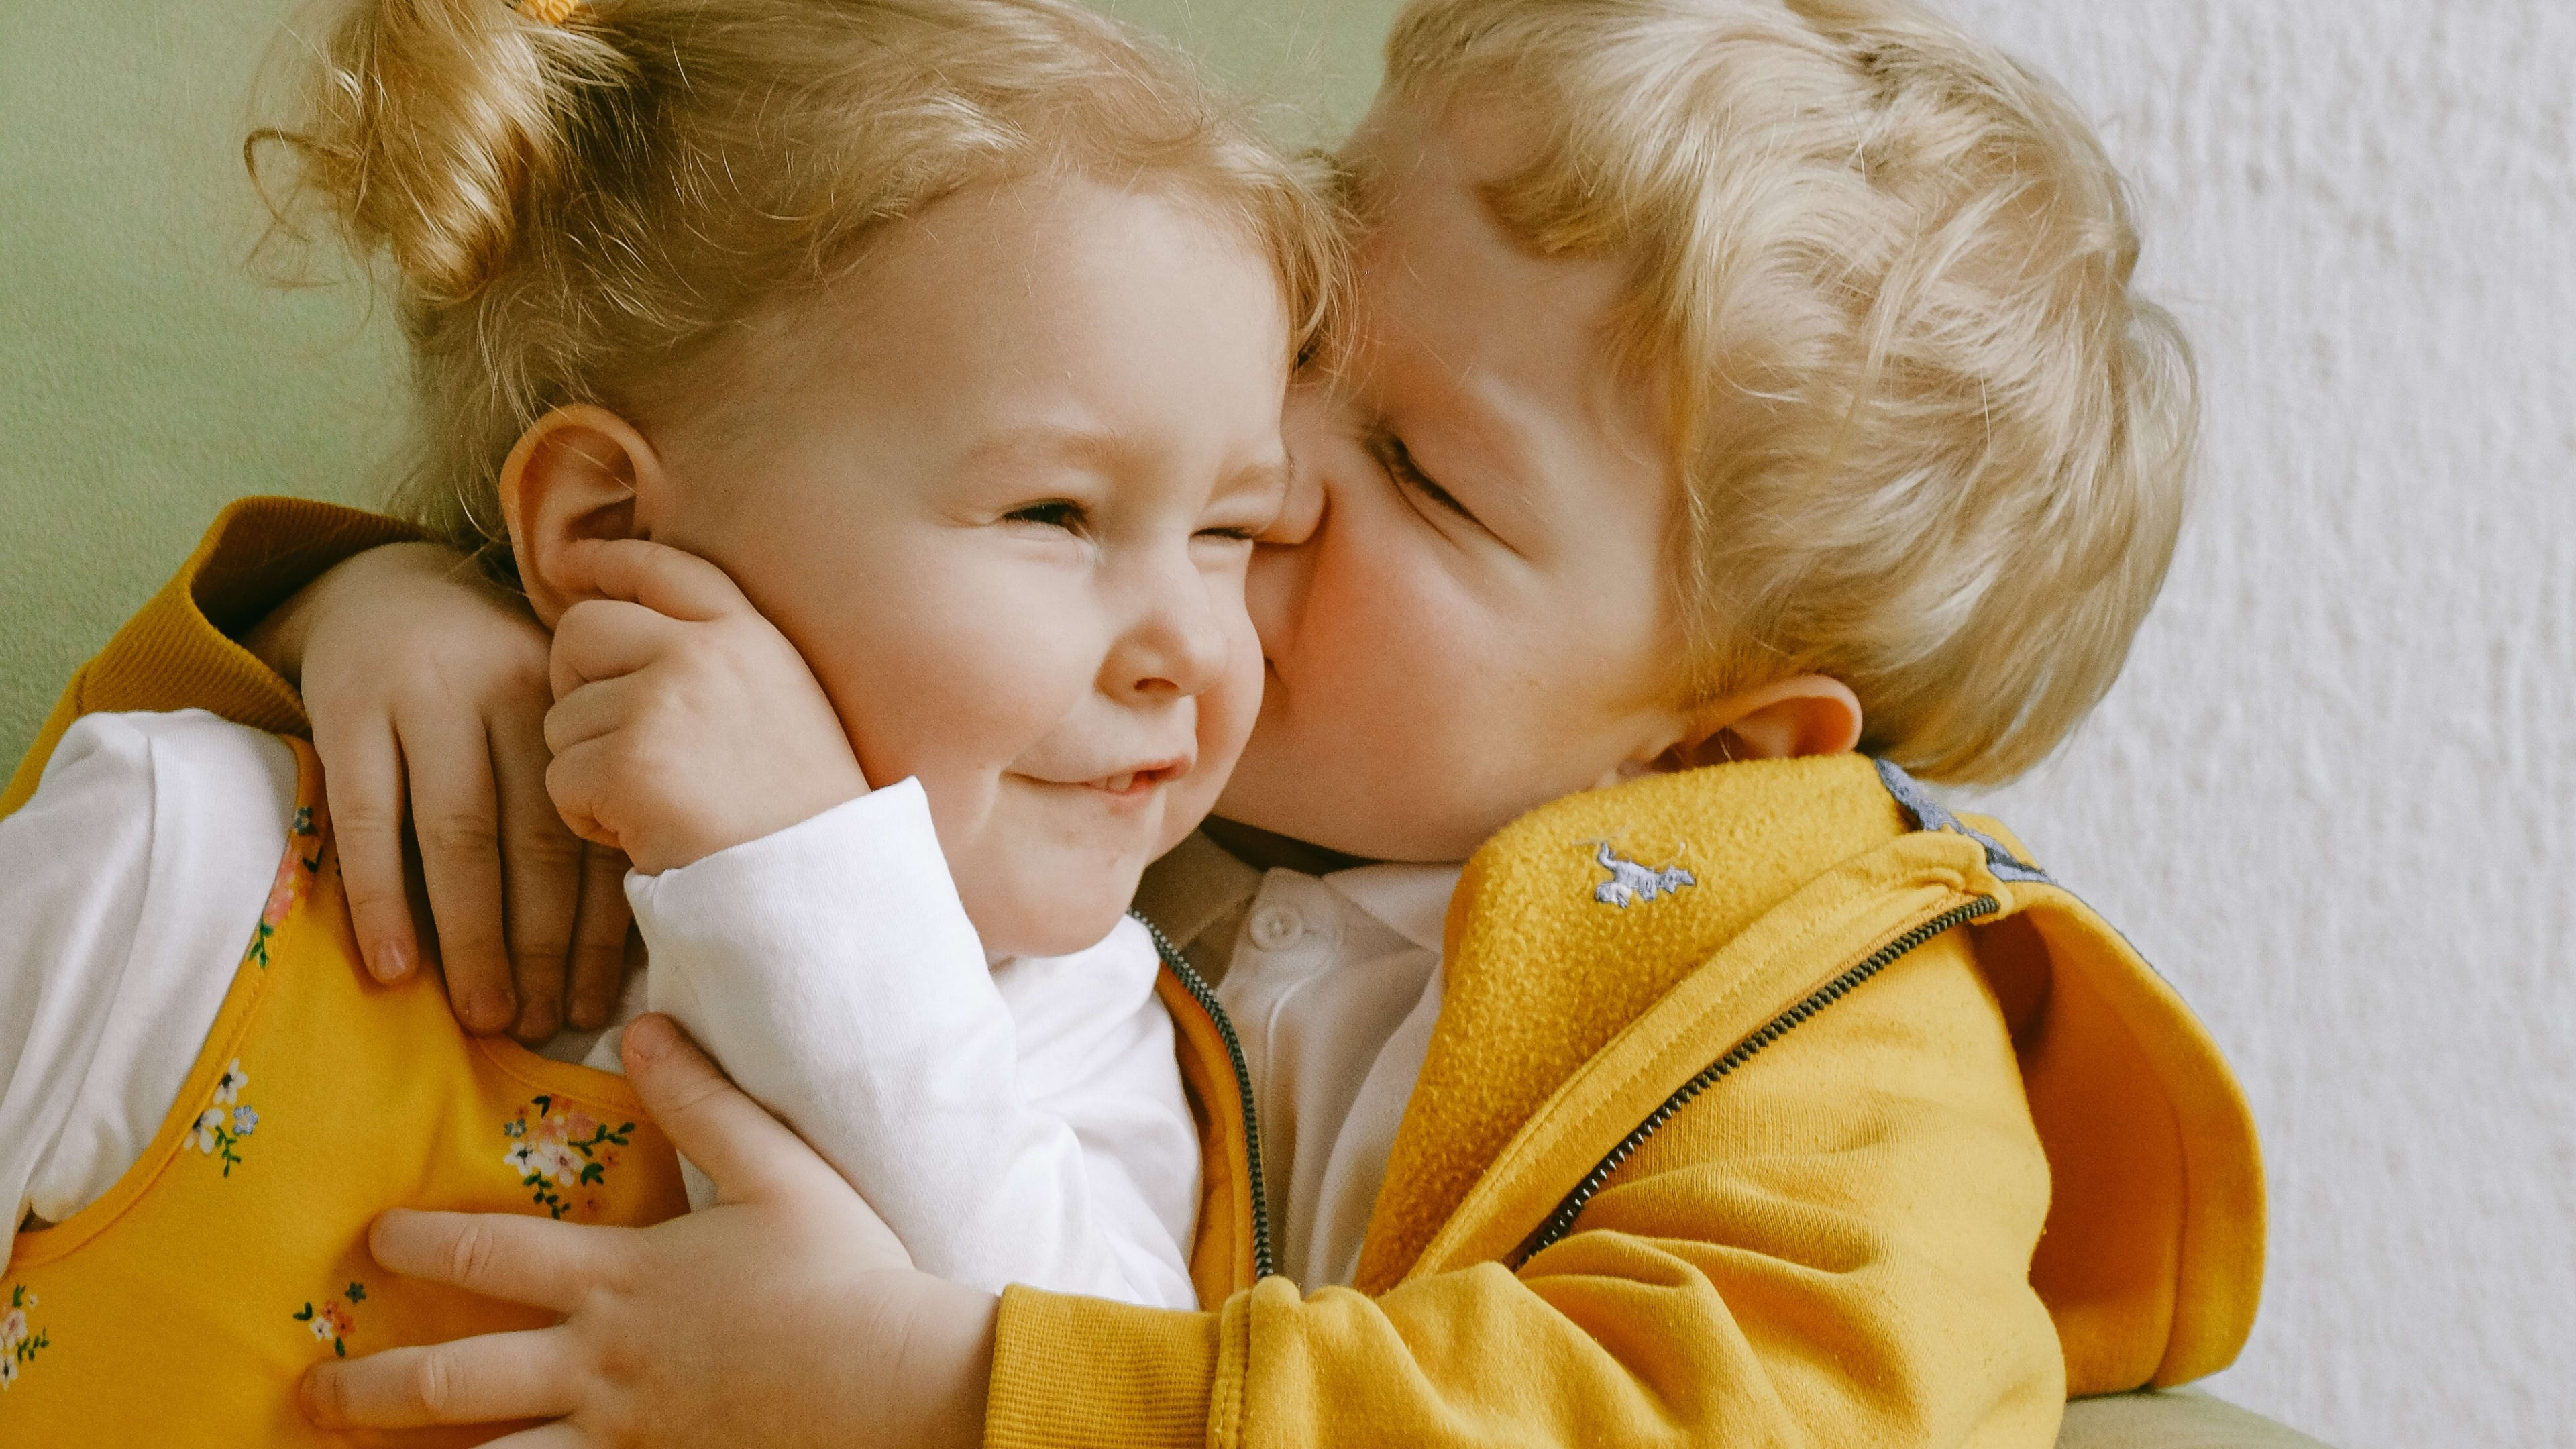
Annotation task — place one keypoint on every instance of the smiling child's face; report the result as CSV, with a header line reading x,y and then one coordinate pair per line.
x,y
997,486
1469,614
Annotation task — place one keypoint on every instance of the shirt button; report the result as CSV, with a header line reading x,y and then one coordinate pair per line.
x,y
1276,928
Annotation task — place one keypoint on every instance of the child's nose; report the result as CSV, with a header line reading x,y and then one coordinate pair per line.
x,y
1177,645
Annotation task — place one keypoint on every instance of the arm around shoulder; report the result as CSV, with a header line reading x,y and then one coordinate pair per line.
x,y
179,650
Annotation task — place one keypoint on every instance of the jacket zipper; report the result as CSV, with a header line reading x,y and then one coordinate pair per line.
x,y
1561,1222
1200,992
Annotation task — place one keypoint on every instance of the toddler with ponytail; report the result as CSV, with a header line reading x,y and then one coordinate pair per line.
x,y
574,208
878,400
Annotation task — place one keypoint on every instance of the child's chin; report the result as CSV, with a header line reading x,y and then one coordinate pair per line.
x,y
1060,924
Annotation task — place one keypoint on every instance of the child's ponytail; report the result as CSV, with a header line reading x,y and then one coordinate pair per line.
x,y
432,127
575,209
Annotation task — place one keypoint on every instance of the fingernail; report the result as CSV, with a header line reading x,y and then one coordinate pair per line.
x,y
309,1397
649,1036
389,960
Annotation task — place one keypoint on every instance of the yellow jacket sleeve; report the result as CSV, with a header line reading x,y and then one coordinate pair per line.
x,y
178,652
1831,1247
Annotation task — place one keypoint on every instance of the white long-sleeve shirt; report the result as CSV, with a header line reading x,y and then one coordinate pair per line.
x,y
1017,1122
1333,982
1333,985
1014,1122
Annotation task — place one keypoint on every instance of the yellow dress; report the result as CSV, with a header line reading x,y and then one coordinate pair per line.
x,y
182,1307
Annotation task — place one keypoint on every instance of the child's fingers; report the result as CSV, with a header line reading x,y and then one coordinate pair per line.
x,y
751,1155
577,781
560,1434
605,639
456,816
365,769
601,707
541,874
537,1261
599,937
521,1375
656,575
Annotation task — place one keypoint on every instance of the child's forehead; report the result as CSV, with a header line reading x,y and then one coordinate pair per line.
x,y
1454,169
1483,136
1493,363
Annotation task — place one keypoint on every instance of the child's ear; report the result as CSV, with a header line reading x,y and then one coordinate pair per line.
x,y
575,475
1787,719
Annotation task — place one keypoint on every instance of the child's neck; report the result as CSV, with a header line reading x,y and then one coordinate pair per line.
x,y
1263,850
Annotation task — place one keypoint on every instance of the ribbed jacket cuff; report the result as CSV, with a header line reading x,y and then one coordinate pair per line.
x,y
1086,1373
178,653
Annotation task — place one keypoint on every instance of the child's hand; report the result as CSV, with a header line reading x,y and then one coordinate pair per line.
x,y
684,722
426,687
784,1315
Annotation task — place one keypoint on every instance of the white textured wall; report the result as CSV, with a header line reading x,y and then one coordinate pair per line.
x,y
2334,798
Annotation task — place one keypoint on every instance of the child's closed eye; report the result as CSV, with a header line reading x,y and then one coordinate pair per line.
x,y
1057,513
1397,459
1248,505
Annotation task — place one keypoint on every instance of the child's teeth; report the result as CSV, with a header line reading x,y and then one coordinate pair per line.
x,y
1118,783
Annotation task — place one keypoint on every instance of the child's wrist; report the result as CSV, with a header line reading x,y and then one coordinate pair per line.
x,y
948,1363
682,846
278,639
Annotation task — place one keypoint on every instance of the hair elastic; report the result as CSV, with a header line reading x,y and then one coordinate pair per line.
x,y
552,12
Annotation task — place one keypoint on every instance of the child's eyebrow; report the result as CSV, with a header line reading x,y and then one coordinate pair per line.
x,y
1032,443
1101,451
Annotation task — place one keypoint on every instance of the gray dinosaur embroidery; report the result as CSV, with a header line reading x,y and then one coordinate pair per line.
x,y
1629,881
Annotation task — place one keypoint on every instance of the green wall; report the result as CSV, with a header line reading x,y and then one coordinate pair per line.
x,y
146,376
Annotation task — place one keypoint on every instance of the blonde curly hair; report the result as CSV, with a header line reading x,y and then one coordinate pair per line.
x,y
1934,444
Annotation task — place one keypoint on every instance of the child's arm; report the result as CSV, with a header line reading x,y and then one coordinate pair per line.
x,y
1019,1124
437,683
1831,1247
1830,1250
805,930
129,886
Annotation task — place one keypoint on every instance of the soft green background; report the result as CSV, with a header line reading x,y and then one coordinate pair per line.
x,y
146,376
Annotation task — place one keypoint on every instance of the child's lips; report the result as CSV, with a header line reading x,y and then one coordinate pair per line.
x,y
1140,781
1127,782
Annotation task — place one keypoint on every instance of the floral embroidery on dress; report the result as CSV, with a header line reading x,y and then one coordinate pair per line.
x,y
218,1130
18,1343
558,1152
294,877
332,1322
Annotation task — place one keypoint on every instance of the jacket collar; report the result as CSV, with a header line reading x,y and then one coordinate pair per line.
x,y
1555,945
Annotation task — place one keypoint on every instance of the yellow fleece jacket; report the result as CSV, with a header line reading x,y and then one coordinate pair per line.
x,y
1867,1133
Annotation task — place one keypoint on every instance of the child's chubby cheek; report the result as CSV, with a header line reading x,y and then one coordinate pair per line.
x,y
1426,740
1047,849
1050,794
1412,708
